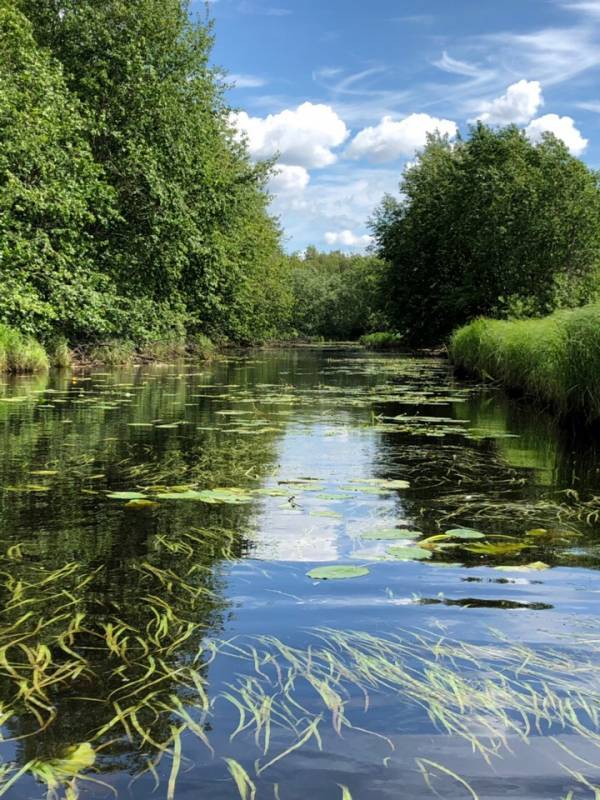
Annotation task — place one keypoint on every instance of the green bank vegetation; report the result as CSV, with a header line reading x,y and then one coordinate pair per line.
x,y
493,225
336,295
554,359
129,208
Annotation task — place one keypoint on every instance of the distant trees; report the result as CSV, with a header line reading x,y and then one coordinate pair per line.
x,y
336,295
128,207
493,224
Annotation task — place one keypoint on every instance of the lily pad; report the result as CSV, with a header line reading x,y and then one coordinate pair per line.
x,y
337,573
464,533
126,496
389,534
538,566
409,553
142,503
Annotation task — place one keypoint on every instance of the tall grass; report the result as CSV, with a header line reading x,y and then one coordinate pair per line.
x,y
382,340
555,359
19,353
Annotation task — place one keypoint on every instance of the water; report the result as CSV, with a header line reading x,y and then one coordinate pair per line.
x,y
160,637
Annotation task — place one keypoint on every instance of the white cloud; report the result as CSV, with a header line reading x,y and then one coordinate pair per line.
x,y
347,238
304,136
562,127
518,105
449,64
246,81
288,179
392,139
589,7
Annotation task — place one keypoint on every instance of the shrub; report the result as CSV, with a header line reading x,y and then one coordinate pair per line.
x,y
383,340
19,353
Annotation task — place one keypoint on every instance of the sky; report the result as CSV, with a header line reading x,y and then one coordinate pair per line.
x,y
344,92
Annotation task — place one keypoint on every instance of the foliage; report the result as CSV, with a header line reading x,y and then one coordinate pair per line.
x,y
128,206
490,225
336,296
382,340
555,359
52,198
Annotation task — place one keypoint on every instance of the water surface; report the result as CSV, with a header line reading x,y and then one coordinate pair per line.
x,y
160,633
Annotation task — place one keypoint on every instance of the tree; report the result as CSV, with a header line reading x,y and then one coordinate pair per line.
x,y
55,207
187,199
491,225
337,296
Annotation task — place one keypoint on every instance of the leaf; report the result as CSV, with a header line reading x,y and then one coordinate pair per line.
x,y
337,573
464,533
126,496
245,786
538,566
409,553
142,503
389,534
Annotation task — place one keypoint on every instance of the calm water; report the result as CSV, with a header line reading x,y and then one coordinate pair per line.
x,y
160,634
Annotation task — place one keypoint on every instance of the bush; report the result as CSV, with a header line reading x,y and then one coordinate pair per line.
x,y
554,359
19,353
382,340
203,347
113,353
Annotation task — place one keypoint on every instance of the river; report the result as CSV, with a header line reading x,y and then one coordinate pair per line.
x,y
172,625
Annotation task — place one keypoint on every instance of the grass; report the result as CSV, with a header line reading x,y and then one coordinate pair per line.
x,y
113,353
554,360
383,340
20,353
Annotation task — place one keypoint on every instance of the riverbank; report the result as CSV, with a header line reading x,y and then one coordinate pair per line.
x,y
20,353
554,360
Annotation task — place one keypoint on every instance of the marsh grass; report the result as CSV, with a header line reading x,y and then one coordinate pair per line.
x,y
554,360
113,353
20,353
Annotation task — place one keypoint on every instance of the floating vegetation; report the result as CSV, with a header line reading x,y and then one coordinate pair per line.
x,y
337,573
409,553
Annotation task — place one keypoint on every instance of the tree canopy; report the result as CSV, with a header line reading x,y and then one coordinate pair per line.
x,y
493,224
128,205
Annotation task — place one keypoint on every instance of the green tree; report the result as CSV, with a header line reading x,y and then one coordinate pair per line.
x,y
490,225
336,295
188,201
55,208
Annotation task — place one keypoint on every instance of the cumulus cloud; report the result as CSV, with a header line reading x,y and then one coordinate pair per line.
x,y
562,127
305,136
518,105
393,139
288,179
347,238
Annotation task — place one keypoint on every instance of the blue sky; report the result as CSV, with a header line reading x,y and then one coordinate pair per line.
x,y
345,91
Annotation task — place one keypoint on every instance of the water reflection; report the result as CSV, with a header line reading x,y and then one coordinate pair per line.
x,y
147,516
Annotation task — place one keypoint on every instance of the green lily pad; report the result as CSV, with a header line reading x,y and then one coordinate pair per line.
x,y
409,553
337,573
126,496
142,503
389,534
464,533
537,566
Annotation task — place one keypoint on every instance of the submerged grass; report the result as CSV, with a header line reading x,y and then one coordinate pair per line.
x,y
554,360
20,353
